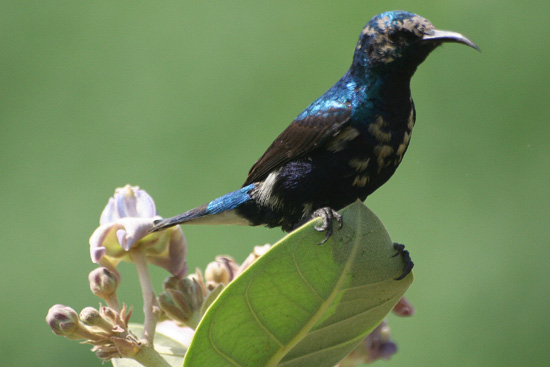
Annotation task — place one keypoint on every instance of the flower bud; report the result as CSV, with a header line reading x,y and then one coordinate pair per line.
x,y
403,308
182,300
377,345
63,320
221,271
92,317
254,255
103,282
197,275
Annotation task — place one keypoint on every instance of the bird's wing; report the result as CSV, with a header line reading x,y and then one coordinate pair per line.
x,y
304,135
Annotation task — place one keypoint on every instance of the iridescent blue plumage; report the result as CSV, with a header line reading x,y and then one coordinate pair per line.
x,y
230,201
343,146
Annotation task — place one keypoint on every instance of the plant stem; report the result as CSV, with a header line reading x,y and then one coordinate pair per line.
x,y
149,357
149,302
112,302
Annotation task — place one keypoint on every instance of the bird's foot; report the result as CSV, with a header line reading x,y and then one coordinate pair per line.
x,y
406,257
327,215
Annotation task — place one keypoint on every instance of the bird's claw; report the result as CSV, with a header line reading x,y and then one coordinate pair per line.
x,y
406,257
327,215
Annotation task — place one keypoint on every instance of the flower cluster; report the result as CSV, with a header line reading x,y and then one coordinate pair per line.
x,y
185,300
123,235
106,329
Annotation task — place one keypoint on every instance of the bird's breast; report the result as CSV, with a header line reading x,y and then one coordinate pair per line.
x,y
380,149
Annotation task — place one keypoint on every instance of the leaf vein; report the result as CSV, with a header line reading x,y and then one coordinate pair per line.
x,y
222,354
302,276
357,315
255,315
335,346
359,287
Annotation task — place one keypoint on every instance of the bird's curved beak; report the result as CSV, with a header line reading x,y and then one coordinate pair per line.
x,y
448,36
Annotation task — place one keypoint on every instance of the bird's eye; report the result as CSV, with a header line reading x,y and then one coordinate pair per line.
x,y
410,36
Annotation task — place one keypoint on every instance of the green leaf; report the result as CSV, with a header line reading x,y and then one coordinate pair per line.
x,y
171,350
303,304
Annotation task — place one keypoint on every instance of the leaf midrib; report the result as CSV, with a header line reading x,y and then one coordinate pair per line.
x,y
283,351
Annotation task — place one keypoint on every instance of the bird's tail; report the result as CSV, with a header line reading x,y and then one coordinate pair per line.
x,y
218,211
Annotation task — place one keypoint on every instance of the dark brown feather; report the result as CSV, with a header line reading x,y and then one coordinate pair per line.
x,y
300,138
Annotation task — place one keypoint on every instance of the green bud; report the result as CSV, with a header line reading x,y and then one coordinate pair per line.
x,y
92,317
182,300
197,276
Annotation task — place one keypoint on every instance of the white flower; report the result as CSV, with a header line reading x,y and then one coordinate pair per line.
x,y
124,227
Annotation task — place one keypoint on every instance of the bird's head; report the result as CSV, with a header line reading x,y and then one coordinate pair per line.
x,y
401,39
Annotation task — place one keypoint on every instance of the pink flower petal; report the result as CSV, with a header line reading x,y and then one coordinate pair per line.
x,y
121,236
124,225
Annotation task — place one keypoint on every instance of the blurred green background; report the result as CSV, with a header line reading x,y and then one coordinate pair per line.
x,y
182,97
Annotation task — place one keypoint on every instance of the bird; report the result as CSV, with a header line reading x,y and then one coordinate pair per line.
x,y
343,146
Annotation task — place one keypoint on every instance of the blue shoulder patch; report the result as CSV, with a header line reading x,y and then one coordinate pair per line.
x,y
229,201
